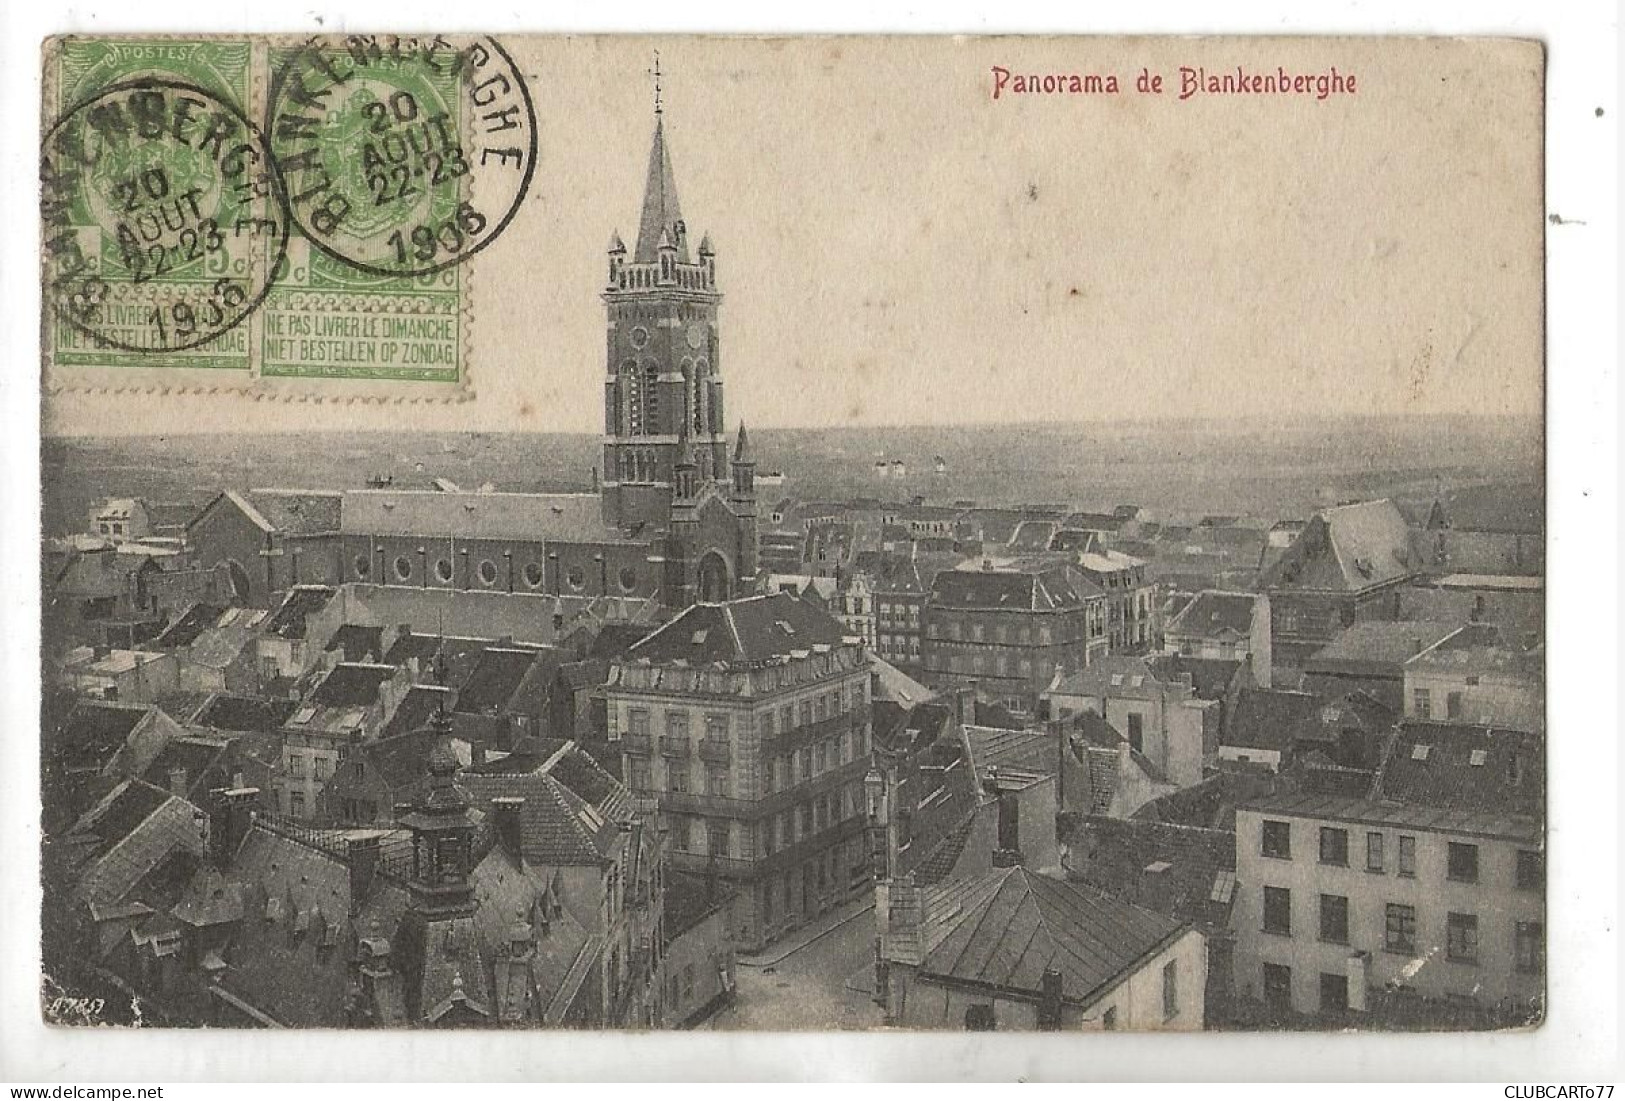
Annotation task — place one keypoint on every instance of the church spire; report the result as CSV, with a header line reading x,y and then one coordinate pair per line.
x,y
662,216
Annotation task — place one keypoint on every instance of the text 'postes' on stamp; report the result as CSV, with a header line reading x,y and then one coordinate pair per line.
x,y
402,157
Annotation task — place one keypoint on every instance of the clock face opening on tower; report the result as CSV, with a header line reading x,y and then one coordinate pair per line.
x,y
696,336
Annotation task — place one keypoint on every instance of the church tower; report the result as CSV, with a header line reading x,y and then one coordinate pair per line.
x,y
662,383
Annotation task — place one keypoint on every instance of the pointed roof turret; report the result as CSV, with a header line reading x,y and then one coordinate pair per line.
x,y
685,452
616,245
742,446
662,216
706,248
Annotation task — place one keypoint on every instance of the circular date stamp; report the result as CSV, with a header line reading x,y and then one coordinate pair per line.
x,y
158,203
402,157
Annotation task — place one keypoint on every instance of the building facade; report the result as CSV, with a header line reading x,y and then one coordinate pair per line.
x,y
749,722
1007,627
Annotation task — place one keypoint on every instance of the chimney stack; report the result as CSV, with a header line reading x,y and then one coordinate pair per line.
x,y
1049,1000
230,815
506,811
361,856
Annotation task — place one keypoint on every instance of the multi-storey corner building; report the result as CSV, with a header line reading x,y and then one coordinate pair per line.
x,y
749,721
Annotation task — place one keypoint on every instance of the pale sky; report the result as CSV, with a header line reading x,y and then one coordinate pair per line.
x,y
894,246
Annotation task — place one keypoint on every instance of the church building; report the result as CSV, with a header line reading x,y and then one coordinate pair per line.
x,y
674,520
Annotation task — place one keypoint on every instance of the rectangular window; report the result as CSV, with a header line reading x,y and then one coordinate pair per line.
x,y
637,721
1170,990
1334,919
679,833
806,712
1108,1019
716,780
765,723
677,776
1278,986
1421,703
1463,862
296,804
1334,846
1334,993
677,725
1136,732
296,766
716,837
323,768
1407,856
786,718
1461,942
639,774
819,761
1399,928
806,764
1452,705
1529,946
1277,840
1278,910
1531,870
1373,852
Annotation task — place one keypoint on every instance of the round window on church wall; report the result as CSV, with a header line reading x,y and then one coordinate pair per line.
x,y
362,566
640,337
533,574
628,579
575,578
442,569
403,567
488,572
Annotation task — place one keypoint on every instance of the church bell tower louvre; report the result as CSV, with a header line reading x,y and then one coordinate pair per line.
x,y
662,378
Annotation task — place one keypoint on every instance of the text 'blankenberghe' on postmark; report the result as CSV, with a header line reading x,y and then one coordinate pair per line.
x,y
301,209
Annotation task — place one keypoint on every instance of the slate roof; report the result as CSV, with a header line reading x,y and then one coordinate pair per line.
x,y
1210,678
100,574
1510,780
750,630
494,680
1027,750
1349,548
1376,647
351,684
522,517
1397,814
420,704
1010,925
357,643
561,824
1045,589
302,602
299,511
1479,647
1269,718
245,713
126,836
460,653
1214,613
1210,804
98,728
1184,872
893,685
186,629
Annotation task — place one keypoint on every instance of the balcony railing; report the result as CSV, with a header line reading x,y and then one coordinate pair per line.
x,y
674,747
715,750
639,744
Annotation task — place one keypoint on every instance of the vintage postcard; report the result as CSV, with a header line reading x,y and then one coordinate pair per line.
x,y
793,533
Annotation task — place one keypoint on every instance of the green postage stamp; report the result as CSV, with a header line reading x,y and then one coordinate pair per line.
x,y
233,212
